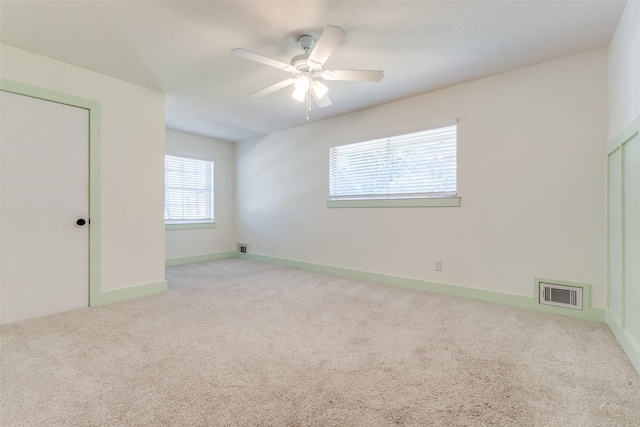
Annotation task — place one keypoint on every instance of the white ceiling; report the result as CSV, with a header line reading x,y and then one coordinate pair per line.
x,y
182,48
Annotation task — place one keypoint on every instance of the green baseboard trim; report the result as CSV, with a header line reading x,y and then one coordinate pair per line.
x,y
519,301
108,297
630,346
198,258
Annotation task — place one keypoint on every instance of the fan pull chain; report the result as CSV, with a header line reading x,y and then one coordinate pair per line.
x,y
308,104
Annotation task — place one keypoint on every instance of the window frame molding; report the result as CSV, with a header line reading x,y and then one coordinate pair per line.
x,y
426,202
189,226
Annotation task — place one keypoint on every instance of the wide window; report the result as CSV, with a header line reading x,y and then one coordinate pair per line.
x,y
417,165
188,190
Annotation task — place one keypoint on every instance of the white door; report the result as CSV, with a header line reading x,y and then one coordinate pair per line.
x,y
44,181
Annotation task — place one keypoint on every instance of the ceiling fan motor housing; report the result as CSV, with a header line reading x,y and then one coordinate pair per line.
x,y
302,65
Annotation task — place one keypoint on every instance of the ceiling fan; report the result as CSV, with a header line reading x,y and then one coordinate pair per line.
x,y
307,69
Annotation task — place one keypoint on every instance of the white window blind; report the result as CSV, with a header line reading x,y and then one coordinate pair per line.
x,y
416,165
188,190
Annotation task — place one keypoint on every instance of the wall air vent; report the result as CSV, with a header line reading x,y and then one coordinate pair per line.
x,y
561,295
242,248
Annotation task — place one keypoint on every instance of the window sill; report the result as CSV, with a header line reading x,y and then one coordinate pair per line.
x,y
395,203
191,226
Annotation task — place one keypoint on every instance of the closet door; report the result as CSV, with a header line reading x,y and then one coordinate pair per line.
x,y
44,206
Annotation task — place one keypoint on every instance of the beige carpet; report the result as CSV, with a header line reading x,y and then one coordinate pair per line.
x,y
240,343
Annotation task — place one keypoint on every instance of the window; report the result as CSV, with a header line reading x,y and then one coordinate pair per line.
x,y
188,190
411,166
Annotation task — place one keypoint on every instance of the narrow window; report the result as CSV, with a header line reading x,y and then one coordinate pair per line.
x,y
188,190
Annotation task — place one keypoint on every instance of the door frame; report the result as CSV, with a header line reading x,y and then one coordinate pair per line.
x,y
95,123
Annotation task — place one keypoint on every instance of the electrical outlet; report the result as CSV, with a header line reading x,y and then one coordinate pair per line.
x,y
258,244
438,265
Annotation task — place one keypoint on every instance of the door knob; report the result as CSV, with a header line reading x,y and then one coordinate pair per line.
x,y
81,222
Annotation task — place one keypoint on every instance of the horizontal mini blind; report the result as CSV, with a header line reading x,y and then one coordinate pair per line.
x,y
188,190
421,164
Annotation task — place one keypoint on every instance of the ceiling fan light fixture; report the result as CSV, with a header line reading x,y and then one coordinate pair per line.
x,y
319,89
302,83
299,95
301,88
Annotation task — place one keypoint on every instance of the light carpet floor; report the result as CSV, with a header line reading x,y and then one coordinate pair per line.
x,y
240,343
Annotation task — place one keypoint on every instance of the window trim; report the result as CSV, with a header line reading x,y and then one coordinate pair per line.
x,y
189,226
426,202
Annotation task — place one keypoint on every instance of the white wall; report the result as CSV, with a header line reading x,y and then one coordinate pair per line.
x,y
531,177
188,243
132,152
624,70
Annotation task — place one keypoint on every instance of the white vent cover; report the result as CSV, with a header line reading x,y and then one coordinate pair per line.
x,y
560,295
242,248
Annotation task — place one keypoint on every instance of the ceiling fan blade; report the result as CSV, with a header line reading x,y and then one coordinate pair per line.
x,y
354,75
261,59
322,102
330,39
273,88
